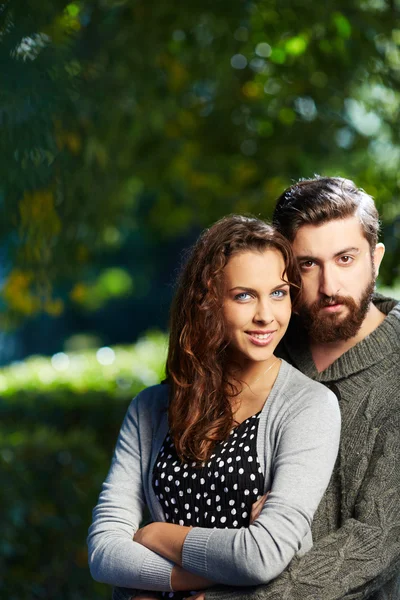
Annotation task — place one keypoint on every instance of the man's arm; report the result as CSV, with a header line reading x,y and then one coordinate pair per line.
x,y
359,557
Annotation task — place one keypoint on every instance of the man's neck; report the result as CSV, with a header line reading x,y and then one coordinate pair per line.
x,y
324,354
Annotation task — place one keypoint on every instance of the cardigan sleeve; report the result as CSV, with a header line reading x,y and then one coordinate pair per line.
x,y
114,557
361,556
305,452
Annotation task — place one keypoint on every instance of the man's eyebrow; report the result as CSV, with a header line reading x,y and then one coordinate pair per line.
x,y
351,249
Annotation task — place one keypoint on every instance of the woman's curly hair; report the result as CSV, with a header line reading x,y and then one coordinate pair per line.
x,y
200,413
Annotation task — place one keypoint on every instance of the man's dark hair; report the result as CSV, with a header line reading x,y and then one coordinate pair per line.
x,y
322,199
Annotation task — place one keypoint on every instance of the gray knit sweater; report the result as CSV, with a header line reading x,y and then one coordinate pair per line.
x,y
356,529
297,443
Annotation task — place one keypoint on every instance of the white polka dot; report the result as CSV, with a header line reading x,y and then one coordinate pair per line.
x,y
212,486
244,515
223,519
217,498
209,502
222,477
231,449
176,510
156,482
177,482
250,459
222,451
252,477
231,502
246,448
189,490
205,494
166,515
218,508
185,474
221,463
176,469
212,519
241,444
186,506
230,470
241,471
162,475
238,457
185,466
194,476
246,492
169,456
160,496
180,493
252,435
235,523
216,474
198,496
253,427
235,486
226,490
202,481
173,501
243,505
169,477
229,460
196,509
193,464
166,503
167,488
233,511
189,516
181,522
255,491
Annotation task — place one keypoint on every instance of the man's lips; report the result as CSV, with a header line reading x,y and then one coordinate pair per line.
x,y
332,308
261,338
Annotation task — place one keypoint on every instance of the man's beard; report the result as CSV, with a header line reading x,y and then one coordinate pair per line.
x,y
325,327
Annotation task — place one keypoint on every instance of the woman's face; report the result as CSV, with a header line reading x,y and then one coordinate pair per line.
x,y
256,304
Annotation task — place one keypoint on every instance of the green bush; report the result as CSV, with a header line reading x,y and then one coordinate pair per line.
x,y
56,439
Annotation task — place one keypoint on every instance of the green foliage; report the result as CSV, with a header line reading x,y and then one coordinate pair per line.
x,y
127,114
56,440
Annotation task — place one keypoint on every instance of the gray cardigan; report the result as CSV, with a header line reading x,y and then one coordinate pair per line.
x,y
297,443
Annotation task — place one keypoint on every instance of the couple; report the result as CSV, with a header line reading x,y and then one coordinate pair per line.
x,y
233,456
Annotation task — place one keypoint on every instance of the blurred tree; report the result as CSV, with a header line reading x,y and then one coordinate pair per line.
x,y
124,115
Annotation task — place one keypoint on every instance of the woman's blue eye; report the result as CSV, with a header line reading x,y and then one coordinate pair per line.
x,y
242,296
279,293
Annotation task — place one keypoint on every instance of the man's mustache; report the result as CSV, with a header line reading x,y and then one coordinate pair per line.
x,y
331,300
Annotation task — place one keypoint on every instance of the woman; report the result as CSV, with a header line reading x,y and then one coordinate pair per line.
x,y
233,423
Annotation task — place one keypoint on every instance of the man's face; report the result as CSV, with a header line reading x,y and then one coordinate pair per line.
x,y
338,275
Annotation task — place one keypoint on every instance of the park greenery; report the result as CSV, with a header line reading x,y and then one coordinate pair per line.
x,y
124,119
60,418
126,126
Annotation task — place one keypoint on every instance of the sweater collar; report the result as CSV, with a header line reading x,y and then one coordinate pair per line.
x,y
384,340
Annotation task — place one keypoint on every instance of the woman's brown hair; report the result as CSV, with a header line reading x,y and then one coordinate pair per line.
x,y
200,413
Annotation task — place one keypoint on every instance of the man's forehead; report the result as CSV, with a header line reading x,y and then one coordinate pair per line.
x,y
330,238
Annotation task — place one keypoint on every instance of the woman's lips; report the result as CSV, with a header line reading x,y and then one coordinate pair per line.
x,y
260,338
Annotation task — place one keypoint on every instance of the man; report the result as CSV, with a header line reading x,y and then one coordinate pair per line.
x,y
350,341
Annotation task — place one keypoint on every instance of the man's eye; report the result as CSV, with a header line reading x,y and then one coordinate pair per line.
x,y
307,264
346,260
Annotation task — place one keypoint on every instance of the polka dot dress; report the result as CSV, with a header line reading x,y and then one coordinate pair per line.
x,y
220,492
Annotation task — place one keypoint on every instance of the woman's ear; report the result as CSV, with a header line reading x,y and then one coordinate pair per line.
x,y
378,256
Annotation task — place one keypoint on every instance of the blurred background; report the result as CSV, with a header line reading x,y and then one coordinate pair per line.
x,y
127,126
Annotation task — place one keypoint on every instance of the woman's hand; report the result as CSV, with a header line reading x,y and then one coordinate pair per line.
x,y
257,508
165,539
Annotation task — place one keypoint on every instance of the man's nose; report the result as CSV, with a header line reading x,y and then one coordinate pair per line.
x,y
328,284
